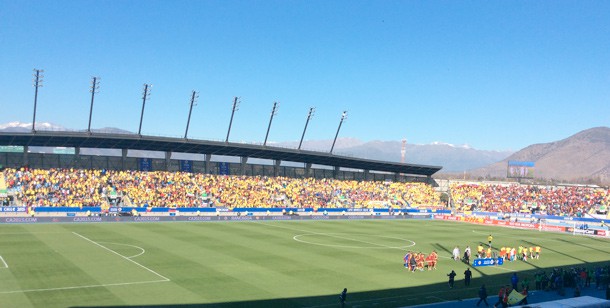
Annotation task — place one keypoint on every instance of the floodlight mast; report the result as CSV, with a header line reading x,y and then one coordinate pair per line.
x,y
276,106
343,117
235,108
95,87
194,98
145,95
312,110
37,84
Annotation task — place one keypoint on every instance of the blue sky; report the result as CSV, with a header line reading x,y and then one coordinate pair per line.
x,y
495,75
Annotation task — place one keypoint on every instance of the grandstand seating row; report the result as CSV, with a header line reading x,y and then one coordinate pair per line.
x,y
82,187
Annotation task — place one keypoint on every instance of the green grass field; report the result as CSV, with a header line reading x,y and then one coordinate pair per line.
x,y
259,264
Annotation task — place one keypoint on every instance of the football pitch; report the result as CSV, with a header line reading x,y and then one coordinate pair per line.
x,y
261,263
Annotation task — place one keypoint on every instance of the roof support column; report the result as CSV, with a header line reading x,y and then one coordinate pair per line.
x,y
168,157
336,172
208,158
276,167
307,170
76,162
366,174
243,163
26,150
123,158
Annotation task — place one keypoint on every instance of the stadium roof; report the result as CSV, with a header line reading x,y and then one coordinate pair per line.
x,y
150,143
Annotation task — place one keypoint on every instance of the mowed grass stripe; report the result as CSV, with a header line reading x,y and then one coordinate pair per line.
x,y
217,254
243,257
259,264
40,263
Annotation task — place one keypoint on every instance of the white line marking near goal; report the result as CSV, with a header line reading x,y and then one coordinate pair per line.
x,y
122,256
83,287
3,262
134,246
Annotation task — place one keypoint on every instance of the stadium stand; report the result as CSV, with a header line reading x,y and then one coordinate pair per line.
x,y
510,198
99,187
81,187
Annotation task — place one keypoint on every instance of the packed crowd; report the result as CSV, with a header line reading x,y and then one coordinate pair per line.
x,y
555,200
80,187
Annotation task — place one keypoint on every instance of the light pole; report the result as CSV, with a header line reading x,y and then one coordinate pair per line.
x,y
145,95
276,106
236,102
194,97
312,111
37,84
343,117
95,87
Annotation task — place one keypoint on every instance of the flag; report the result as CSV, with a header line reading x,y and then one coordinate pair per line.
x,y
515,297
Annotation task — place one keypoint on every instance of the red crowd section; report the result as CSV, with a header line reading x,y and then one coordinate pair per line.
x,y
510,198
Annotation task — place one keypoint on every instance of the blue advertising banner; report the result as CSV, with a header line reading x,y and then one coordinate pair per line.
x,y
223,168
186,165
145,164
487,262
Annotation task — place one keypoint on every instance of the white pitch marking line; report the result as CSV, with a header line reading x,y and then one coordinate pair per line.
x,y
122,256
335,236
4,262
134,246
376,246
82,287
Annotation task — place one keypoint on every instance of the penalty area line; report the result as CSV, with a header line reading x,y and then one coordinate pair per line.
x,y
3,262
122,256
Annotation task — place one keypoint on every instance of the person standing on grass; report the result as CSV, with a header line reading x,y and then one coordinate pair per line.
x,y
483,296
489,239
467,254
456,253
412,262
467,276
451,278
343,297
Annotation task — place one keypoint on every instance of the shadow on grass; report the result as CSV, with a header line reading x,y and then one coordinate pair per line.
x,y
399,297
396,297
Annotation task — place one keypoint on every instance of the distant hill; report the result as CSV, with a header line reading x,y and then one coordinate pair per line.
x,y
583,157
452,158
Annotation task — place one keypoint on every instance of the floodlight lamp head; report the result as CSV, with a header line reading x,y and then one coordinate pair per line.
x,y
344,115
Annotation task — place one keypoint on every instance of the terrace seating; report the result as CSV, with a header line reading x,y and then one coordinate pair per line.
x,y
76,187
553,200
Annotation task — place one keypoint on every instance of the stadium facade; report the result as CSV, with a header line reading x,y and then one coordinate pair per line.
x,y
16,153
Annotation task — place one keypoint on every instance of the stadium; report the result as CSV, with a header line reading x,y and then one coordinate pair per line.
x,y
99,210
84,229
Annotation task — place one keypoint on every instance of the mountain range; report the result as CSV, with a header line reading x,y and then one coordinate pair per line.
x,y
581,158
